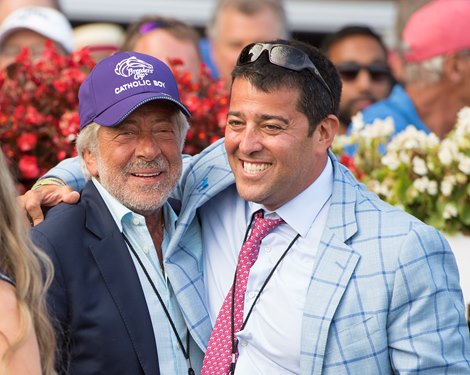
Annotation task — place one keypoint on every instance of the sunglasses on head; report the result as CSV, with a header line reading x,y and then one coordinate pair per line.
x,y
377,72
286,57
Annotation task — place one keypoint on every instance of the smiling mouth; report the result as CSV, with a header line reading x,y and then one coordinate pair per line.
x,y
147,175
255,167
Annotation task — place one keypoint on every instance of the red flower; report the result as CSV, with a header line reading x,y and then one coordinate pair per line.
x,y
349,162
27,141
207,99
38,110
28,166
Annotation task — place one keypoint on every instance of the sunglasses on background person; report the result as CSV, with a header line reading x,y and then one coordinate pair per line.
x,y
286,57
378,72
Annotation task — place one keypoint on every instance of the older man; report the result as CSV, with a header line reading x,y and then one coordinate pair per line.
x,y
117,291
306,271
437,70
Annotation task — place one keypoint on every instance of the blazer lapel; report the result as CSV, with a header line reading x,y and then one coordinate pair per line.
x,y
118,272
334,267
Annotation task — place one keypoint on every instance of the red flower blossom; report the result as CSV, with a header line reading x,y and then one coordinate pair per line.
x,y
28,166
38,110
207,99
27,141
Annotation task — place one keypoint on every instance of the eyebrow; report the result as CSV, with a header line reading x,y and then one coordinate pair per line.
x,y
263,117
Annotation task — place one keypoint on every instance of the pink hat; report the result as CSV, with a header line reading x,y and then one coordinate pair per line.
x,y
437,28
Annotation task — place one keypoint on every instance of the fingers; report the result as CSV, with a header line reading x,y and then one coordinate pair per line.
x,y
33,201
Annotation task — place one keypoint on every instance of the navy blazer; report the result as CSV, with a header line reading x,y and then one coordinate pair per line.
x,y
99,309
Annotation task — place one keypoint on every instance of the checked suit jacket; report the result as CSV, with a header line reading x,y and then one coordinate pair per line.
x,y
384,295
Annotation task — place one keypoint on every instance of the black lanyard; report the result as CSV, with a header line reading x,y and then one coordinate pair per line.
x,y
172,324
232,313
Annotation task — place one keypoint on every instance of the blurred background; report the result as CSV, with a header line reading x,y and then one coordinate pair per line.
x,y
310,20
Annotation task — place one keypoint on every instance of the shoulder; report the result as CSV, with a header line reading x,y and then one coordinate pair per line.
x,y
9,313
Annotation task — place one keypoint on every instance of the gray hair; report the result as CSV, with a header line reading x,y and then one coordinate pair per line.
x,y
88,139
248,7
425,72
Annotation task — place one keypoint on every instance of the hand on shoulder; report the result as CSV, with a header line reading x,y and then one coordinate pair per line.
x,y
33,202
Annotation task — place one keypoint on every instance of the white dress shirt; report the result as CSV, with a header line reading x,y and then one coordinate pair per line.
x,y
270,342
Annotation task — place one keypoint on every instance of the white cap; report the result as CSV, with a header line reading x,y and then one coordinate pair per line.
x,y
47,22
98,34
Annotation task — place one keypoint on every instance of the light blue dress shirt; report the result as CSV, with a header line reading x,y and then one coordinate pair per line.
x,y
170,356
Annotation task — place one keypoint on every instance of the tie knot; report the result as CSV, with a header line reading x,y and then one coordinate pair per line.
x,y
262,227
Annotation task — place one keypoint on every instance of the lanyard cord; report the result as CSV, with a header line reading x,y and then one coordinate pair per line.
x,y
232,314
172,324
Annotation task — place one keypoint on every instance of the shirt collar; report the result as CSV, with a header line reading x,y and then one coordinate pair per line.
x,y
314,197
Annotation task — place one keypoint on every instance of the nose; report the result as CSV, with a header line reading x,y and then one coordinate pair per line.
x,y
250,140
148,147
363,79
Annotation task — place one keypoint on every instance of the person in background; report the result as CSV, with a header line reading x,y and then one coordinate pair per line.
x,y
101,39
9,6
123,304
166,39
236,23
437,71
361,58
30,27
342,282
27,342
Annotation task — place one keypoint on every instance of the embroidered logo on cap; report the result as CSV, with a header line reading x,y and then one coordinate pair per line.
x,y
133,66
137,69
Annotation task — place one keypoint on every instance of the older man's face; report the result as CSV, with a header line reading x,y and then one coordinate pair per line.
x,y
139,161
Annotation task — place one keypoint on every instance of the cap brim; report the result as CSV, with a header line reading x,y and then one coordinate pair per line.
x,y
115,114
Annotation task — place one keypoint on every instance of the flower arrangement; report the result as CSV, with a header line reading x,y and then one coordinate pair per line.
x,y
418,172
207,99
38,110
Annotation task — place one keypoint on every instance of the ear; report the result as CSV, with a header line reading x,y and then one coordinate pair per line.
x,y
453,68
326,131
90,161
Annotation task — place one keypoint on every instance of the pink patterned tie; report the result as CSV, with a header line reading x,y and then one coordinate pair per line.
x,y
219,350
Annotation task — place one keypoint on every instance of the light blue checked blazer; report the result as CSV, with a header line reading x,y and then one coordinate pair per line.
x,y
384,296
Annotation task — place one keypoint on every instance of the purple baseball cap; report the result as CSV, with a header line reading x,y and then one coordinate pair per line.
x,y
120,84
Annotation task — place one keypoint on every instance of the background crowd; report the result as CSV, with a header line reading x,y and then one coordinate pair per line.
x,y
375,91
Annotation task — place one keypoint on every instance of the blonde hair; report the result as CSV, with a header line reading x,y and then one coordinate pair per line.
x,y
24,263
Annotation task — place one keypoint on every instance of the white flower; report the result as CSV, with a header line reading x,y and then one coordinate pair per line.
x,y
357,122
446,152
419,166
432,188
447,185
450,210
464,163
391,161
421,184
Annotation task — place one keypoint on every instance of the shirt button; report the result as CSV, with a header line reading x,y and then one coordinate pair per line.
x,y
135,221
243,343
252,294
146,249
267,249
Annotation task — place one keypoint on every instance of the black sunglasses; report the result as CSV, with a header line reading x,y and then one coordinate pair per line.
x,y
377,72
284,56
